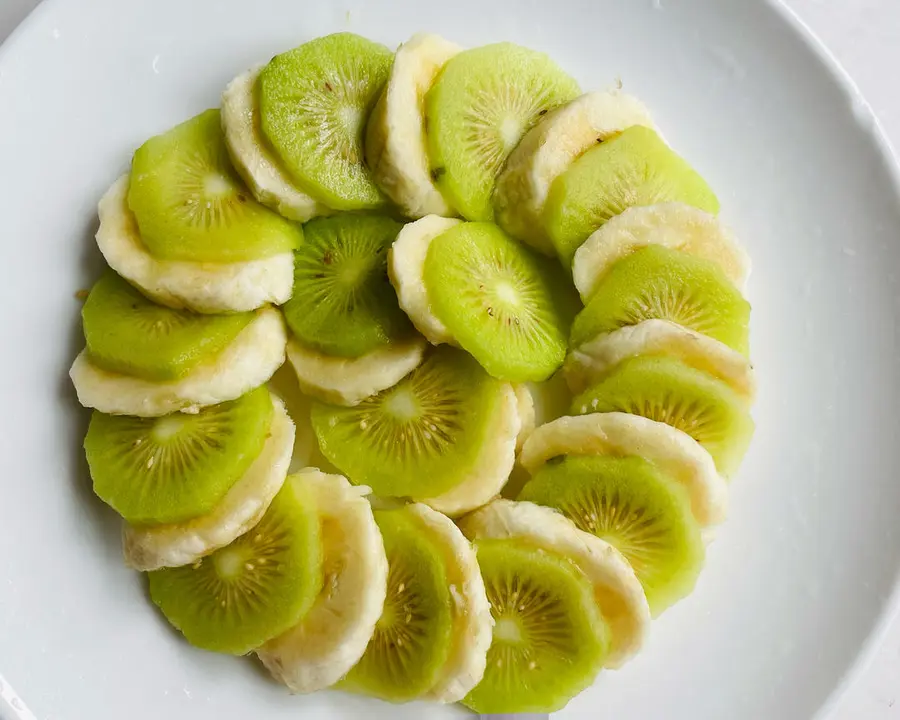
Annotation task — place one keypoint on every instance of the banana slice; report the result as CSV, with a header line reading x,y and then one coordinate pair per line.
x,y
673,225
251,157
659,337
203,287
472,621
618,592
491,472
333,636
151,548
256,353
406,260
670,449
349,381
548,149
395,140
525,405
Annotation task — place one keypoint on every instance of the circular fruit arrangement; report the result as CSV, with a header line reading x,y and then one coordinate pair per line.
x,y
420,375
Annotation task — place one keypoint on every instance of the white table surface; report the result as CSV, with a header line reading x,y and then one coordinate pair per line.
x,y
865,37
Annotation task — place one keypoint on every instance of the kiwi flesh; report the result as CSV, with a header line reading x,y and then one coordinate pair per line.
x,y
343,303
669,391
500,301
314,102
413,637
637,509
190,204
549,638
243,595
656,282
633,168
420,437
482,103
128,334
170,469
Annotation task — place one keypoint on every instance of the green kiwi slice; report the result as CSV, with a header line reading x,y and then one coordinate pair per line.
x,y
418,438
666,390
413,637
190,204
482,103
254,589
549,639
500,301
633,168
637,509
343,303
656,282
314,102
128,334
177,467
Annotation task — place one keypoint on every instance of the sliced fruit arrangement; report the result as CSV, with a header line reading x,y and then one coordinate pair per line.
x,y
482,103
482,471
548,149
499,301
633,168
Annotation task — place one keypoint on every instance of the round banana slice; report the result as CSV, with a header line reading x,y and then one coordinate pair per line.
x,y
618,592
472,621
395,140
333,635
251,157
673,225
202,287
154,547
256,353
349,381
495,463
670,449
585,364
546,152
525,404
406,261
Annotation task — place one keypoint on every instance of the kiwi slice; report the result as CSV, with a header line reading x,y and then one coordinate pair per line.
x,y
420,437
500,301
190,204
254,589
549,640
128,334
669,391
314,102
482,103
177,467
413,637
343,303
658,283
633,168
637,509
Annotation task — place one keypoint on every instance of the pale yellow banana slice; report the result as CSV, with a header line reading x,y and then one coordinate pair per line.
x,y
616,588
333,635
472,621
395,140
406,263
492,469
251,157
202,287
586,364
525,404
349,381
151,548
673,225
546,152
671,450
248,362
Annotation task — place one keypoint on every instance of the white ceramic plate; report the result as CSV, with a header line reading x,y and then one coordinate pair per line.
x,y
798,579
